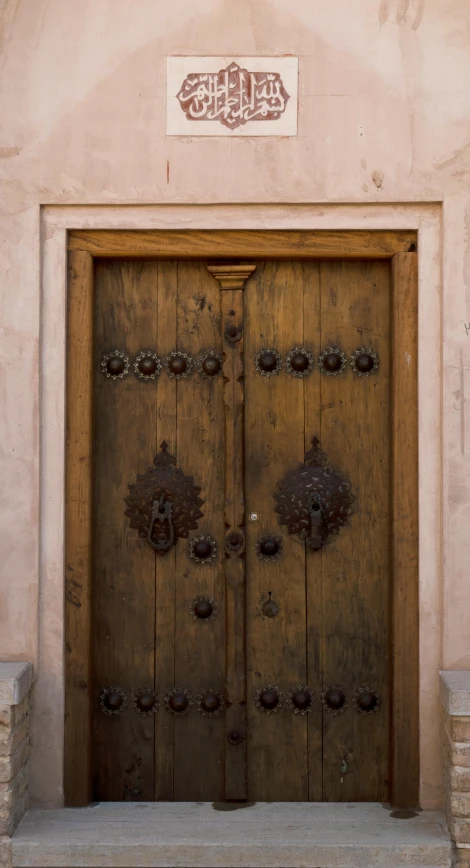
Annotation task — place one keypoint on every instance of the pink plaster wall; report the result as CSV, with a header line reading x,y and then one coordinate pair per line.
x,y
384,117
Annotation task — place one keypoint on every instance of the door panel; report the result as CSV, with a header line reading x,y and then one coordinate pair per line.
x,y
327,622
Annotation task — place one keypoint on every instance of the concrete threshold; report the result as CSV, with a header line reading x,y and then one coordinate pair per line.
x,y
204,835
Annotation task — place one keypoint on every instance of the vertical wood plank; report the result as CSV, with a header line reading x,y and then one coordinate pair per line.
x,y
276,647
405,535
355,434
165,567
124,564
200,646
78,517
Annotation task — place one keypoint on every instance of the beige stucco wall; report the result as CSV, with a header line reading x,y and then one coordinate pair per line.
x,y
384,119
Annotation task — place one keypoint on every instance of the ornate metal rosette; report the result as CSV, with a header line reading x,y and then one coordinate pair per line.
x,y
210,703
178,365
204,609
366,700
299,362
364,362
332,361
113,700
269,548
209,364
300,699
269,699
203,549
334,699
145,701
268,362
178,701
147,365
235,542
115,365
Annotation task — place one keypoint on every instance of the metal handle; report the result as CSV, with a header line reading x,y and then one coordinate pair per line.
x,y
161,515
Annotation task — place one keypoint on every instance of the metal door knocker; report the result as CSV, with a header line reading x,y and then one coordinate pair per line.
x,y
314,501
164,503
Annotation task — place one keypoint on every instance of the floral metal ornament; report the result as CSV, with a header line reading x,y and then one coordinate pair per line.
x,y
115,365
366,700
178,365
269,548
113,700
209,364
147,365
364,362
203,549
314,501
178,701
204,609
268,362
210,703
145,701
269,699
300,699
164,503
334,699
332,361
299,362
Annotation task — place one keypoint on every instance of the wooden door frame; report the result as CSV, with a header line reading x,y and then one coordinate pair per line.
x,y
400,247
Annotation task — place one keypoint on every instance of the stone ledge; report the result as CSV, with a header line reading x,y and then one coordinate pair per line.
x,y
455,692
15,682
200,835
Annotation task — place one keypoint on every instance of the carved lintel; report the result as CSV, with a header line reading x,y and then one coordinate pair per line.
x,y
231,276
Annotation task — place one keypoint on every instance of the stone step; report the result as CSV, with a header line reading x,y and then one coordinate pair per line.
x,y
205,835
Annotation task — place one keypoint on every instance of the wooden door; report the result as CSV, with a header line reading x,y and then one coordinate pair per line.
x,y
242,632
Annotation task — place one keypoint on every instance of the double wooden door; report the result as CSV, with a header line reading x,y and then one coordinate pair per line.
x,y
241,559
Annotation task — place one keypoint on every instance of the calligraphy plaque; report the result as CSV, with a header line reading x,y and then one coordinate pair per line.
x,y
232,96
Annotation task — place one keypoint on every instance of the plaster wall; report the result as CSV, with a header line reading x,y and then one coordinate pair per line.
x,y
383,141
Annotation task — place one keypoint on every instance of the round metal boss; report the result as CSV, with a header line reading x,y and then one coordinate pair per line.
x,y
179,365
268,699
235,542
113,700
145,701
178,701
147,365
204,609
300,699
209,364
299,362
334,699
115,365
268,362
332,361
364,362
366,700
269,548
202,549
210,703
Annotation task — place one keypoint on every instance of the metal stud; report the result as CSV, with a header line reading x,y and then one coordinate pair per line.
x,y
270,608
269,548
204,609
299,362
332,361
268,699
115,365
209,364
178,365
300,699
147,365
203,549
210,703
236,737
364,362
233,333
366,700
178,701
334,699
113,700
268,362
145,701
235,542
